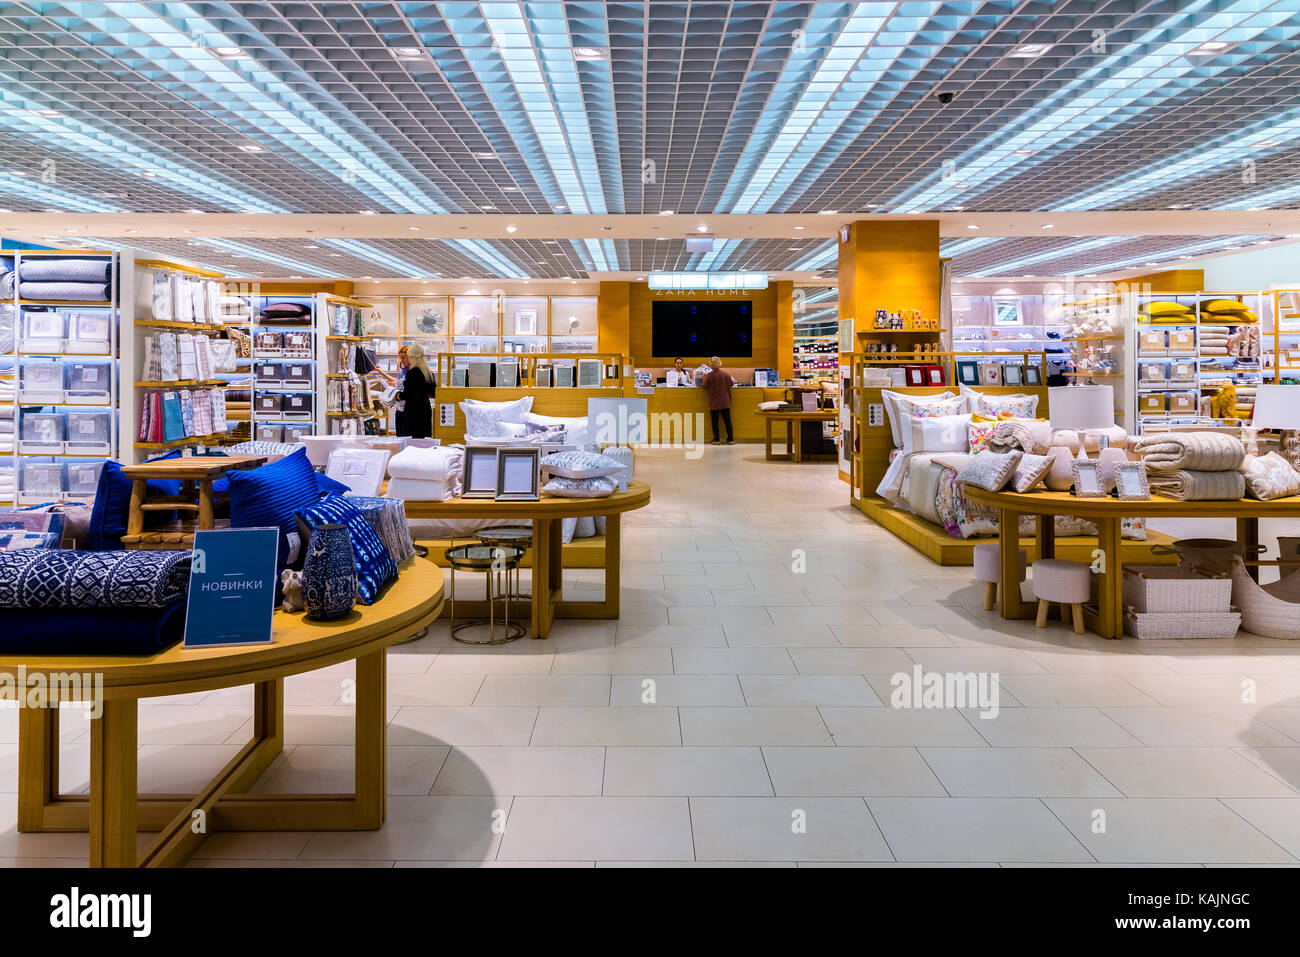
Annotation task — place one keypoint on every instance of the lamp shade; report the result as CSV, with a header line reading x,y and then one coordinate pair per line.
x,y
1276,407
1081,407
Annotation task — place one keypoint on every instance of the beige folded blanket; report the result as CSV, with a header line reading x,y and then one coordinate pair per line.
x,y
1197,451
1194,486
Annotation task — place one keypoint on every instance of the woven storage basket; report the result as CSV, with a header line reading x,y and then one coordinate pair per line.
x,y
1174,589
1170,627
1272,610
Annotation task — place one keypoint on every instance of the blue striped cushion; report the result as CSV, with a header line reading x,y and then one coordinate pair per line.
x,y
375,566
271,495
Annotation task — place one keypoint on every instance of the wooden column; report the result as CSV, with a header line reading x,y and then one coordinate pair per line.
x,y
891,265
785,328
613,319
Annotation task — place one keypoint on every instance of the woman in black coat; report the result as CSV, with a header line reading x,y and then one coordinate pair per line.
x,y
417,394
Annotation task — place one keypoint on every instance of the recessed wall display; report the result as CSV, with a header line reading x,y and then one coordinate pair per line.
x,y
479,478
518,473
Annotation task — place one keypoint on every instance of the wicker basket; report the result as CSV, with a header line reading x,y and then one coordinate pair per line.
x,y
1272,610
1170,627
1175,589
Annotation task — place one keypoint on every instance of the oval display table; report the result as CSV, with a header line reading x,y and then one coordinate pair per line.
x,y
114,809
547,516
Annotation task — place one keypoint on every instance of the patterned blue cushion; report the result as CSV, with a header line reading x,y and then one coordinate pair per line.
x,y
62,578
269,496
375,566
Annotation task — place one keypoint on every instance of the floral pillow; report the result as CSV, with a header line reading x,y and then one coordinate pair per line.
x,y
979,430
1020,405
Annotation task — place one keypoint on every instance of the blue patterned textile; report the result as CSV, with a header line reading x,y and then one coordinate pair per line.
x,y
62,578
375,566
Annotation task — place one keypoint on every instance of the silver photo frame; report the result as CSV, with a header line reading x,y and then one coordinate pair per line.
x,y
479,472
518,474
1131,481
1087,480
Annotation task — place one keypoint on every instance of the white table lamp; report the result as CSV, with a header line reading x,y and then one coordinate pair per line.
x,y
1082,409
1278,407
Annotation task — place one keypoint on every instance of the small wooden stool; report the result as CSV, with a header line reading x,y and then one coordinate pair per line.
x,y
196,474
1066,583
988,560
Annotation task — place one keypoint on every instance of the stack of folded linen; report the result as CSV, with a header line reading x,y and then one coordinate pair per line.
x,y
6,435
1214,340
8,485
71,280
1196,466
426,475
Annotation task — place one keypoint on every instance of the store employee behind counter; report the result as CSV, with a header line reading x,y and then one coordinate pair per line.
x,y
678,376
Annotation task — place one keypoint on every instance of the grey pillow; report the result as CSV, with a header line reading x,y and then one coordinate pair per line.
x,y
1030,471
991,470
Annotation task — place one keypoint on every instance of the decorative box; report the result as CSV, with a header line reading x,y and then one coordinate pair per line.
x,y
269,432
87,383
88,334
43,332
293,432
564,376
83,477
1182,340
1182,402
1152,371
297,374
267,403
481,374
269,373
1153,342
297,404
89,433
40,381
1151,403
1182,372
268,343
41,433
298,344
42,478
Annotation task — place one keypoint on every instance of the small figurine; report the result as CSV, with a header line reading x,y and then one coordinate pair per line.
x,y
292,582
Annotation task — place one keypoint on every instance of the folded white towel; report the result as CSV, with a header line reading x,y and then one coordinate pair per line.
x,y
422,490
430,465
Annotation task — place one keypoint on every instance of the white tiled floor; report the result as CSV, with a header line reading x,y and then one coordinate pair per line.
x,y
739,713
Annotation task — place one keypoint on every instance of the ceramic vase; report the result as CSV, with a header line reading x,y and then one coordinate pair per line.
x,y
1107,460
329,574
1060,476
623,455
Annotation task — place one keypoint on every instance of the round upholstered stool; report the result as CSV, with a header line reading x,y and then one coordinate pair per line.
x,y
988,568
1066,583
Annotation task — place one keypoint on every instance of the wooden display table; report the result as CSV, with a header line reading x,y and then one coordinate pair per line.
x,y
114,809
1107,617
196,474
547,518
794,435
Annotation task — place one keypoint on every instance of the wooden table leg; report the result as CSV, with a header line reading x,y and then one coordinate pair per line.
x,y
798,442
1046,537
207,519
135,515
1248,535
38,765
541,575
1009,557
613,564
767,438
1110,584
372,740
113,789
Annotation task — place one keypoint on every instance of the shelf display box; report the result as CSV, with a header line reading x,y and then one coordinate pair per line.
x,y
545,376
1152,403
89,433
481,375
590,373
267,403
87,383
43,332
293,432
270,432
40,382
508,375
269,373
564,377
1182,403
459,378
297,405
1152,372
1182,341
82,478
297,374
41,479
268,343
42,433
298,345
1153,342
89,334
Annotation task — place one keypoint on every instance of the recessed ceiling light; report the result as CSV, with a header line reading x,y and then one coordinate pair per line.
x,y
828,212
366,212
229,53
376,282
606,229
70,229
414,228
573,282
490,209
147,173
335,255
661,239
1255,209
424,282
1180,205
295,276
972,226
798,227
1048,226
46,112
871,206
701,229
191,243
1027,51
511,229
1209,46
795,249
667,212
1264,144
560,207
407,52
955,209
309,246
1025,151
588,53
132,230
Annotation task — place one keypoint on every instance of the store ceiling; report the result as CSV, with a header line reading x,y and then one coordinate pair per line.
x,y
607,109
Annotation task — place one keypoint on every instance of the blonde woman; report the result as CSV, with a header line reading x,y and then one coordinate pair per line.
x,y
417,394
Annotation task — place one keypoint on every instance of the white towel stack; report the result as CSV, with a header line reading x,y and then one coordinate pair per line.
x,y
426,474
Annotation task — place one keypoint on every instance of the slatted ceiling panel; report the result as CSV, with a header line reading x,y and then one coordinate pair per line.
x,y
990,260
704,90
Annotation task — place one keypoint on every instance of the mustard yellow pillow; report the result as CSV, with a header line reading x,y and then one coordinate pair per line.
x,y
1224,305
1165,308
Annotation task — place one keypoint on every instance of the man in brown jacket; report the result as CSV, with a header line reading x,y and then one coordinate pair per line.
x,y
717,388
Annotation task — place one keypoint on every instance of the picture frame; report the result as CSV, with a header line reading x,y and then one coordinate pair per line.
x,y
479,472
915,376
934,375
1033,375
518,474
968,372
1087,480
1131,481
589,373
1013,375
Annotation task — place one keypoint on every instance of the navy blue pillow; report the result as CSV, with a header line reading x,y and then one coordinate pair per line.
x,y
270,495
329,486
375,566
113,503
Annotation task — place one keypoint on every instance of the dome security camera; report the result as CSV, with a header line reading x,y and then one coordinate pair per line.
x,y
944,96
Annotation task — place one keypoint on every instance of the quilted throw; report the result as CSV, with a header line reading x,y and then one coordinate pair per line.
x,y
1197,451
1198,486
62,578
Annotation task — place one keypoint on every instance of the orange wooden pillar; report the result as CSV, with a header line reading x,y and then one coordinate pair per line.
x,y
891,265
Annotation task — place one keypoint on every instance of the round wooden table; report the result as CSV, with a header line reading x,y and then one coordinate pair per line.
x,y
546,517
115,809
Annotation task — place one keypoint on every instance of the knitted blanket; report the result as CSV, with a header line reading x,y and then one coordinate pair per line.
x,y
62,578
1197,451
1195,486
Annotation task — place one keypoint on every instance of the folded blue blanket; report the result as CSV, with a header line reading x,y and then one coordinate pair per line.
x,y
62,578
87,631
65,270
64,291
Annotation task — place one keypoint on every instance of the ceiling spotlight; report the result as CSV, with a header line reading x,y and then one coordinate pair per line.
x,y
407,53
414,228
424,282
484,155
229,53
1023,152
1180,205
560,207
196,212
251,148
1209,46
794,249
871,206
490,209
1255,209
511,229
972,226
1048,226
606,229
132,230
46,112
511,189
191,243
666,212
366,212
70,229
1265,144
1027,51
701,229
588,53
147,173
309,246
828,212
661,239
798,227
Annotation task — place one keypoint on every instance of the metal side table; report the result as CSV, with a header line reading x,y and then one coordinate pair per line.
x,y
500,564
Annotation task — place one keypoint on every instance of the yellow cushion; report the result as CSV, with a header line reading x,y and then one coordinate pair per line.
x,y
1165,308
1224,305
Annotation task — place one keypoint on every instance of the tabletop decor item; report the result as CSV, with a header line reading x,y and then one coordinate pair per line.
x,y
479,478
1087,480
1131,481
1060,475
518,474
329,577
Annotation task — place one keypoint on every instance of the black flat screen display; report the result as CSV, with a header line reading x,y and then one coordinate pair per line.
x,y
703,328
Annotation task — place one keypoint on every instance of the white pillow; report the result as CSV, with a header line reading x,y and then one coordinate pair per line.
x,y
575,429
1020,405
581,488
771,406
581,465
512,429
940,433
899,404
483,418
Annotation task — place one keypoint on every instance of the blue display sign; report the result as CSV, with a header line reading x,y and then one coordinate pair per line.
x,y
232,587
